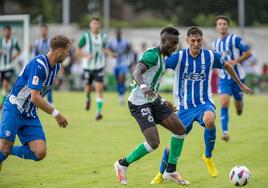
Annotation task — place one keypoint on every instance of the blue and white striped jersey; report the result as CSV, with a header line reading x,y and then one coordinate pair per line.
x,y
192,80
41,46
120,48
231,47
36,75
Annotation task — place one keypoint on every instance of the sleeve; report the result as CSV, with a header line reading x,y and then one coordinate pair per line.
x,y
104,40
82,41
17,46
172,61
241,44
37,76
149,58
218,61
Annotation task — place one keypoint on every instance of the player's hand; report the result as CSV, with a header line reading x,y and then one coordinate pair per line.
x,y
233,62
246,89
171,106
61,120
148,92
89,57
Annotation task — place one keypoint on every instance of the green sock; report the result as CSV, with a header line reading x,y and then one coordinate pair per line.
x,y
99,104
140,151
176,144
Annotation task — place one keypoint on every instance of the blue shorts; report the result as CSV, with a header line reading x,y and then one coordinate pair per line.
x,y
230,87
27,129
120,70
188,116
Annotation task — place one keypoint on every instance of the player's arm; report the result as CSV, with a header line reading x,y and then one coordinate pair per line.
x,y
17,47
137,73
245,48
229,68
41,103
79,52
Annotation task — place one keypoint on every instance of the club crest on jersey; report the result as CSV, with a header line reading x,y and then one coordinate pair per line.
x,y
194,76
35,80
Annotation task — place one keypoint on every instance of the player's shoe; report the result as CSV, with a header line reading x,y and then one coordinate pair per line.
x,y
210,165
121,173
175,177
157,179
87,105
98,116
225,137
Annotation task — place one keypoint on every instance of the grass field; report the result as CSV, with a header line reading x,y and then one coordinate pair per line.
x,y
82,155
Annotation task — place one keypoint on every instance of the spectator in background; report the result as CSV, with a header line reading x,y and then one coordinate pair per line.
x,y
42,46
9,51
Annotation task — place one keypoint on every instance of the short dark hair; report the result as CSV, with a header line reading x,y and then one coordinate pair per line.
x,y
222,17
59,41
94,18
170,30
44,25
194,31
7,27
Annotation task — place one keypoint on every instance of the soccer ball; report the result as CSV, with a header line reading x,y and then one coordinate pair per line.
x,y
239,175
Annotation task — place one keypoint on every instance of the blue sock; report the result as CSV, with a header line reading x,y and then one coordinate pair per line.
x,y
210,137
121,89
23,152
224,119
49,96
164,161
2,156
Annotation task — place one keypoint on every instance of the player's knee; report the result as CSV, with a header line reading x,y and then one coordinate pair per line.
x,y
154,143
40,154
210,123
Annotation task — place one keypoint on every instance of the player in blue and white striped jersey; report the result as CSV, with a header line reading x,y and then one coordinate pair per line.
x,y
19,114
42,46
231,47
192,92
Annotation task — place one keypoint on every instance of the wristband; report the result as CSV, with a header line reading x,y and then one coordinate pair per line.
x,y
142,86
55,113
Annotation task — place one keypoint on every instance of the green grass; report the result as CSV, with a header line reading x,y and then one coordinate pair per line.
x,y
82,155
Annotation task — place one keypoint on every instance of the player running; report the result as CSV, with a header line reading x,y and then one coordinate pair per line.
x,y
192,93
92,50
149,109
231,47
19,114
9,51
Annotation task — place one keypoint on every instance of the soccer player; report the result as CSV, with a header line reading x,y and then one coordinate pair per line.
x,y
119,46
149,109
19,114
9,51
42,46
92,50
231,47
192,92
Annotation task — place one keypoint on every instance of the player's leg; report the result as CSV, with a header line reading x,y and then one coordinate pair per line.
x,y
98,77
5,89
33,141
225,102
87,75
121,79
142,114
208,120
173,124
187,118
8,130
238,98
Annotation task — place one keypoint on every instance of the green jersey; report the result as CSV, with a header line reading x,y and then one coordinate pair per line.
x,y
154,61
93,44
7,50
